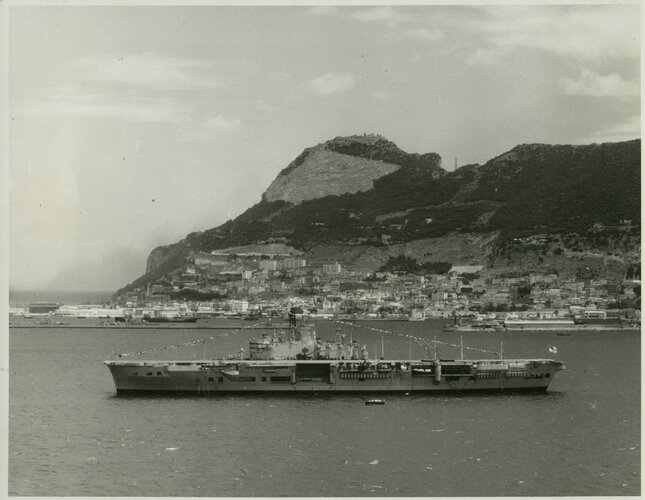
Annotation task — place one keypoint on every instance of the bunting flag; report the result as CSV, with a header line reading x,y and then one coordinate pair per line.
x,y
422,341
190,343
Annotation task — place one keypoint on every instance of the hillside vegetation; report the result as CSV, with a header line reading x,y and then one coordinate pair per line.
x,y
582,193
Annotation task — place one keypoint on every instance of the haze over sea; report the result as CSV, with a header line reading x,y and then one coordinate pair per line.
x,y
69,434
69,297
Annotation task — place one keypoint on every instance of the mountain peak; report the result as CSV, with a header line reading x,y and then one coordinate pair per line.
x,y
365,139
344,165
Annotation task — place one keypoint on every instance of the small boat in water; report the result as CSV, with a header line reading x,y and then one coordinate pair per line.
x,y
375,402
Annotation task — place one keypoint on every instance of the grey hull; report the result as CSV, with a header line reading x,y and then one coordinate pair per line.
x,y
290,376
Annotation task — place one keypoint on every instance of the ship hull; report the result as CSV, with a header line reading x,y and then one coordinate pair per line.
x,y
538,326
170,320
267,377
607,322
519,325
489,391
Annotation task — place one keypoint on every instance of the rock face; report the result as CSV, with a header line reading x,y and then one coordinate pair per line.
x,y
156,257
345,165
325,173
465,248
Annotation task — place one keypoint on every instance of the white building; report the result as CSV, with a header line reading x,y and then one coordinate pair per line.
x,y
331,268
239,306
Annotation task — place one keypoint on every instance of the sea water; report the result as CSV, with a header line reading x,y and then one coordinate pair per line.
x,y
70,435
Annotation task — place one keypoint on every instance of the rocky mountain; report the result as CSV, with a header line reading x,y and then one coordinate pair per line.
x,y
360,200
327,169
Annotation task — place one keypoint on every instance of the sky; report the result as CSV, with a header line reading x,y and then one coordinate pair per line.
x,y
132,126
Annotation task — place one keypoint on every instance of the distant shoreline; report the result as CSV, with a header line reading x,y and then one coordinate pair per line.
x,y
69,297
141,327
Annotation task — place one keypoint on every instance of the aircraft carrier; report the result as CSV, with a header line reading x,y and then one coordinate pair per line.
x,y
299,362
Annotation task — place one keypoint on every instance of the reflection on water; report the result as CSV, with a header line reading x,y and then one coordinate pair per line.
x,y
71,435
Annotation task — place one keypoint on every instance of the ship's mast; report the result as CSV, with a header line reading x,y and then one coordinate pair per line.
x,y
294,333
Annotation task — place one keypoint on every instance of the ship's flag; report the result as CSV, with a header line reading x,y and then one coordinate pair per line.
x,y
553,349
